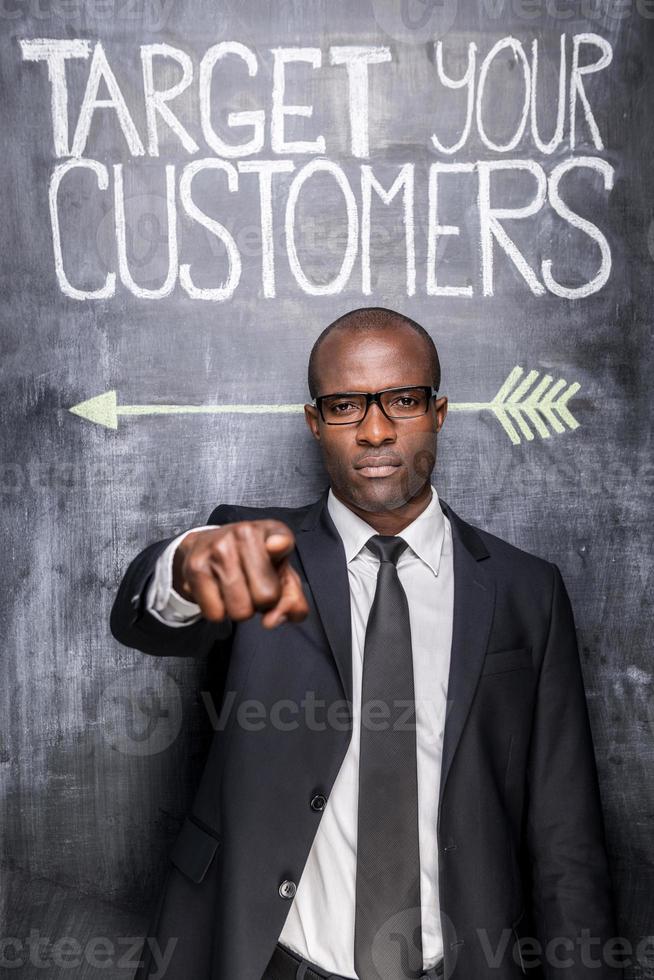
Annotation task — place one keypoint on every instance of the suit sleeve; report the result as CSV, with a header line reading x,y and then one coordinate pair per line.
x,y
134,625
571,883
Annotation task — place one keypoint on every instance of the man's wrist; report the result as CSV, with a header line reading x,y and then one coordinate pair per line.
x,y
163,601
177,577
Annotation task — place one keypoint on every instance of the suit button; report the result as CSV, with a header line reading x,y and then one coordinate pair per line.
x,y
318,802
287,889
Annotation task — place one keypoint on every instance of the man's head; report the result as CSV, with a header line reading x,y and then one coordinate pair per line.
x,y
369,350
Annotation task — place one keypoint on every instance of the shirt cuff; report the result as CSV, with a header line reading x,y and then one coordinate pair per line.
x,y
162,601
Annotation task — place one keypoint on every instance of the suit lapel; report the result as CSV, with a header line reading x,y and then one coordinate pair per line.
x,y
322,555
321,551
474,601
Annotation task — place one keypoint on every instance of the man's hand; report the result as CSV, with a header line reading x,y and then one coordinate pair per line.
x,y
239,569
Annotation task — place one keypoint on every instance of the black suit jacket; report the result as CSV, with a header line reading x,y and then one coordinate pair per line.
x,y
520,830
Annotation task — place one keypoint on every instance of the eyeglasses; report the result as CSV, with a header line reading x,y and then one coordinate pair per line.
x,y
350,407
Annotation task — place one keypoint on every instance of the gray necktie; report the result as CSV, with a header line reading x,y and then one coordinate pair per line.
x,y
387,934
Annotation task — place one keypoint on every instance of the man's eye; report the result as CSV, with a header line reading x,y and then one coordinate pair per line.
x,y
405,401
343,407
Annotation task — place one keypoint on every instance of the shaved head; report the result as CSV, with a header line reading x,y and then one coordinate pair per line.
x,y
364,321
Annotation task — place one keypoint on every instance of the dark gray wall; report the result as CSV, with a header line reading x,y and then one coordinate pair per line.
x,y
102,746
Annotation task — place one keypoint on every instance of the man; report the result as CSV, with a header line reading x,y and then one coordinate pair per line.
x,y
405,785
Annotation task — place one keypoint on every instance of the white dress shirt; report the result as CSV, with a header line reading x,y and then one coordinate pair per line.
x,y
320,922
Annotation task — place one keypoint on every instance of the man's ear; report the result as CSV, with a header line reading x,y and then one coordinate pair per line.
x,y
311,416
441,411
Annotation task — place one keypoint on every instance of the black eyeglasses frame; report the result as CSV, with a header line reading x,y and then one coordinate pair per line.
x,y
374,396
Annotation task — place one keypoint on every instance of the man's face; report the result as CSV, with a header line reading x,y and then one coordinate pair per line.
x,y
400,454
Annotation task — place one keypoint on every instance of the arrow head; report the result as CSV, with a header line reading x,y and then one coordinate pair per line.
x,y
102,410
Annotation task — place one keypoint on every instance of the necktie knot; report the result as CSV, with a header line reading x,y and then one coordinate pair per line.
x,y
386,547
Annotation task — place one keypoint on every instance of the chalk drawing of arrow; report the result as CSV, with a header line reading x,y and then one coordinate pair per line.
x,y
513,401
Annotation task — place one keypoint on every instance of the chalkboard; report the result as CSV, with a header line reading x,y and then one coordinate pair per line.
x,y
192,192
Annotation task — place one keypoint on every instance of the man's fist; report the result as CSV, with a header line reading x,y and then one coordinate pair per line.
x,y
239,569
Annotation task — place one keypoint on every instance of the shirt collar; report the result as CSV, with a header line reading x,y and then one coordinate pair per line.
x,y
424,535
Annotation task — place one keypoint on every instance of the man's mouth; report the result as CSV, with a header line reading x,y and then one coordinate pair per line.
x,y
377,466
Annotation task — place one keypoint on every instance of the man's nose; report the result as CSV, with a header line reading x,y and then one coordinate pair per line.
x,y
375,428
